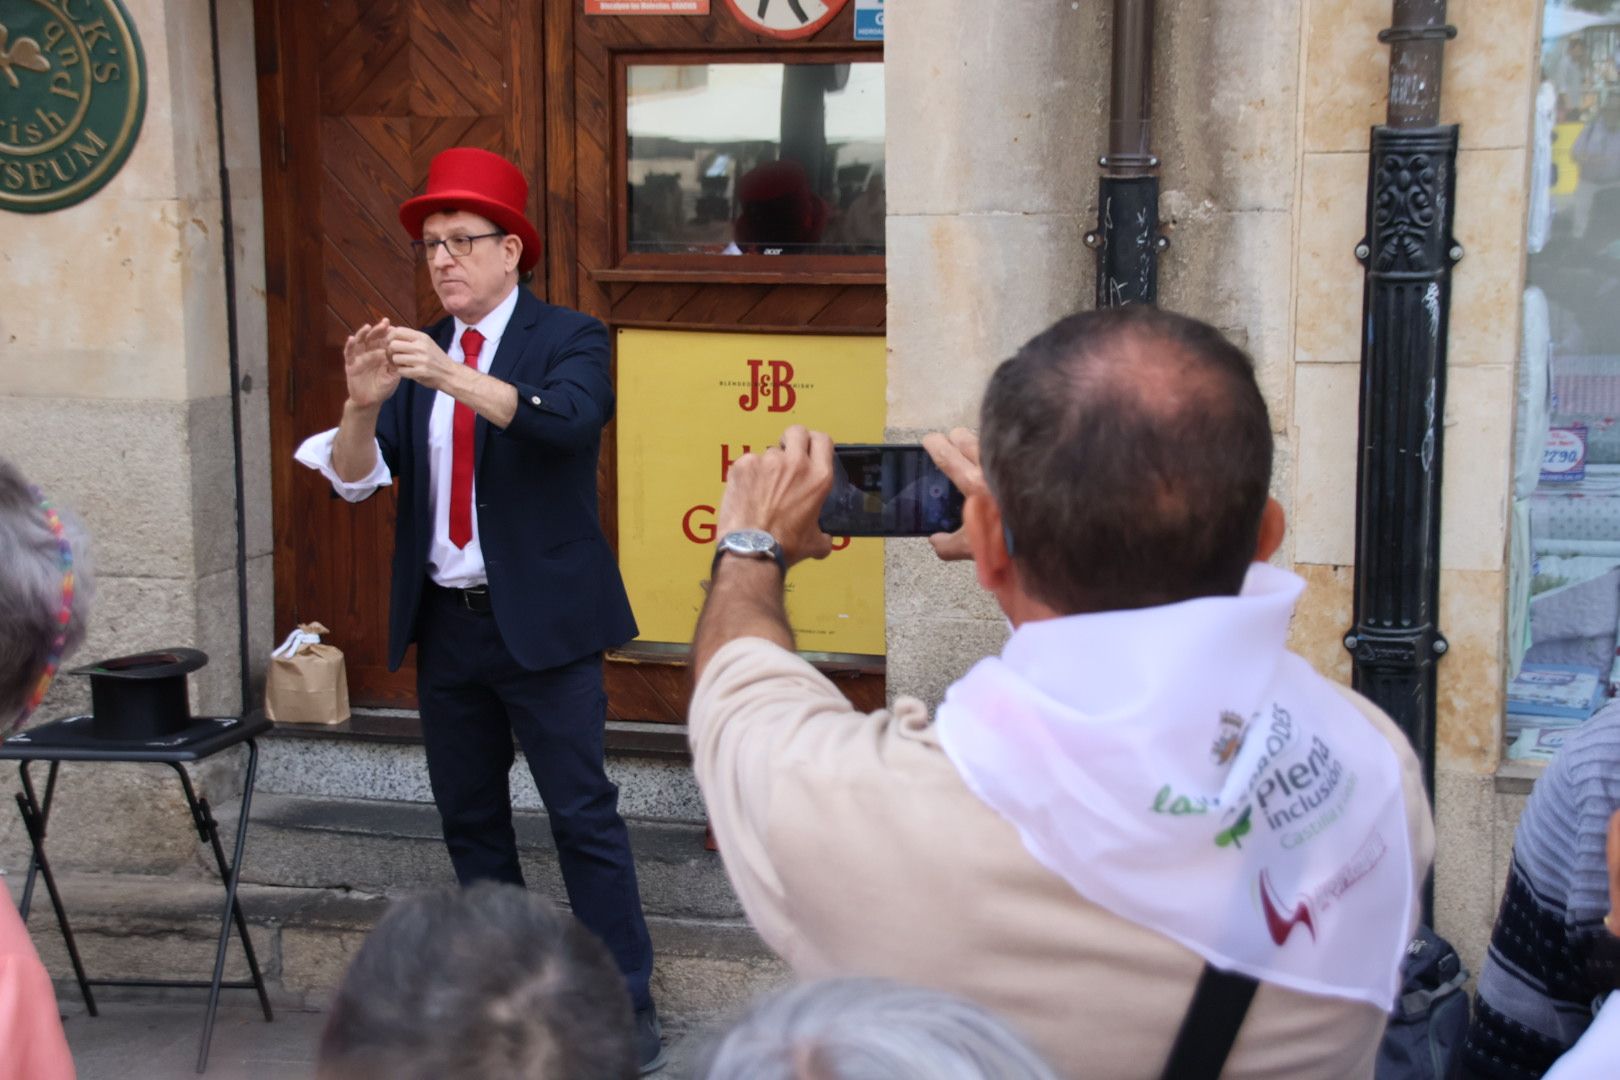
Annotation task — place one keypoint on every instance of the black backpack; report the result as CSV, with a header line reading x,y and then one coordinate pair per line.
x,y
1430,1019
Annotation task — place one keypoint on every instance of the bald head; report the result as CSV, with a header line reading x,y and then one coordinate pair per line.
x,y
1130,453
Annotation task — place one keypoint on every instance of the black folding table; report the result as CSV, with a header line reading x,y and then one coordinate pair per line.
x,y
70,739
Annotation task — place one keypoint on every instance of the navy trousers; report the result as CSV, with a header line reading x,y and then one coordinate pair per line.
x,y
474,698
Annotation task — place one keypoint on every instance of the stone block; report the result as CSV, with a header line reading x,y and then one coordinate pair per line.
x,y
397,772
313,960
1470,677
1283,472
258,497
189,55
1491,72
122,467
1487,285
1346,72
203,298
1478,465
149,171
238,64
1324,511
113,818
920,586
123,335
376,847
703,971
1235,270
261,615
950,323
1465,870
1332,221
1323,617
1226,99
927,654
211,455
216,690
1487,81
1011,151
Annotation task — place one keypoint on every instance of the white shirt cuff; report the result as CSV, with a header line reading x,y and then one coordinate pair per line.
x,y
316,452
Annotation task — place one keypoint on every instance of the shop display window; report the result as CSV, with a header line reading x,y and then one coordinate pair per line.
x,y
1564,595
737,159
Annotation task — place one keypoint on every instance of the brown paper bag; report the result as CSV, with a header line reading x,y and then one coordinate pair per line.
x,y
306,683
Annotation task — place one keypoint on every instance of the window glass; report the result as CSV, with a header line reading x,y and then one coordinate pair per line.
x,y
755,159
1564,596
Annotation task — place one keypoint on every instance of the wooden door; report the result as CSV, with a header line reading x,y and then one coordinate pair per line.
x,y
356,97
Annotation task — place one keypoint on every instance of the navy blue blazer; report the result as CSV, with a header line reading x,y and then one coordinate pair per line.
x,y
553,581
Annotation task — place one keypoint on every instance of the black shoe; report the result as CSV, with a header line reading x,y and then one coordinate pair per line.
x,y
649,1040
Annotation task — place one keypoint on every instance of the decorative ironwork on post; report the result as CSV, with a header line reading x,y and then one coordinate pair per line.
x,y
1126,239
1408,254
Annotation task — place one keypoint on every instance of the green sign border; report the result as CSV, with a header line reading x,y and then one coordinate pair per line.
x,y
114,161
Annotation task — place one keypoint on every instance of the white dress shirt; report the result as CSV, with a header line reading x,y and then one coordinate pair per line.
x,y
448,565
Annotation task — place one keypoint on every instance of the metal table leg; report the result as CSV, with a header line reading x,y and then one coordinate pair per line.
x,y
44,818
34,816
208,829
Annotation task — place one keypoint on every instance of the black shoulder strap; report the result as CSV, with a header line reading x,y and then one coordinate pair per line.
x,y
1210,1026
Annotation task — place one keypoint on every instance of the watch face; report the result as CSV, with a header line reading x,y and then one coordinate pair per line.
x,y
750,542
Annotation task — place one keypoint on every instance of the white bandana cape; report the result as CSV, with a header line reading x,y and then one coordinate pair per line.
x,y
1179,767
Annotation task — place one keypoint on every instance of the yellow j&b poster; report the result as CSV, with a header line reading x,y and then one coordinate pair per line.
x,y
691,404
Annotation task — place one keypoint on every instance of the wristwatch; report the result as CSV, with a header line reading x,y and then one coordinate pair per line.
x,y
750,544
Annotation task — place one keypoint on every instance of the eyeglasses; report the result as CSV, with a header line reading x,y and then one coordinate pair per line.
x,y
457,246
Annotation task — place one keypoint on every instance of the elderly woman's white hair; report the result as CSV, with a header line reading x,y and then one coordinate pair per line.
x,y
869,1029
32,573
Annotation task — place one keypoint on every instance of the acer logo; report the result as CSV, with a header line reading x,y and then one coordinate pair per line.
x,y
1279,925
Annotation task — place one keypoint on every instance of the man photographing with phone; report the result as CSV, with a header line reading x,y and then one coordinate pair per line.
x,y
1145,807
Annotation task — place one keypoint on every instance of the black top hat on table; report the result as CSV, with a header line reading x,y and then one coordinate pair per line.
x,y
140,697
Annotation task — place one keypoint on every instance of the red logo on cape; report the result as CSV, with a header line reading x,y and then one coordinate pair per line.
x,y
1279,926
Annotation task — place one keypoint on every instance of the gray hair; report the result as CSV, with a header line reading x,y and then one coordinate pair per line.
x,y
31,590
486,981
869,1029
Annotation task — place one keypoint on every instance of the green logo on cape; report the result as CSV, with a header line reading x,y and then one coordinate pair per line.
x,y
72,95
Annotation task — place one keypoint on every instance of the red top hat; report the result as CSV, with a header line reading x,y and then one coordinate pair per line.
x,y
466,178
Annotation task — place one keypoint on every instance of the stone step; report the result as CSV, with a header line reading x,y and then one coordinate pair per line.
x,y
296,761
133,927
379,847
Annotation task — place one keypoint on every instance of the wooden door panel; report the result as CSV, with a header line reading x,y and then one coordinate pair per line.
x,y
357,96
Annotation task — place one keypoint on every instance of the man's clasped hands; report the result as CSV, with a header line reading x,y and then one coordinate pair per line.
x,y
378,355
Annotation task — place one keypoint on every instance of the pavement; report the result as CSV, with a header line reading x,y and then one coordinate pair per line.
x,y
157,1040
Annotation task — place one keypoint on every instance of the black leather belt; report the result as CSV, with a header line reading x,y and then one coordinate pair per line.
x,y
473,599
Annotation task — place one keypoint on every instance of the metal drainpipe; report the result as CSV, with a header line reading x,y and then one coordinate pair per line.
x,y
1126,239
1408,254
239,385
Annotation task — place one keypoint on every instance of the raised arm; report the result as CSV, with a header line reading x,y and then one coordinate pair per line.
x,y
372,380
779,492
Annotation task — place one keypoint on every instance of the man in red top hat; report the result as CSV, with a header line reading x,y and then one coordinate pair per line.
x,y
491,420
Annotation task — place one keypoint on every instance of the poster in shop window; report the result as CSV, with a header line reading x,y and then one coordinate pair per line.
x,y
690,404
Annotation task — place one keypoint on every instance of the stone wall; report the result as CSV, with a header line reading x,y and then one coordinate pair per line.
x,y
1262,116
115,397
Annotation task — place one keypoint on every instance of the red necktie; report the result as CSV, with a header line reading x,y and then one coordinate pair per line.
x,y
461,452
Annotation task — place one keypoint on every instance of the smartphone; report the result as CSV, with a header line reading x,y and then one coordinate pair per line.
x,y
889,490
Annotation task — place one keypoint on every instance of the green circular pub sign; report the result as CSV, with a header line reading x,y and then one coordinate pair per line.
x,y
72,94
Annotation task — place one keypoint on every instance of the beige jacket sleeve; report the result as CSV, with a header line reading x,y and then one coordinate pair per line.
x,y
760,710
